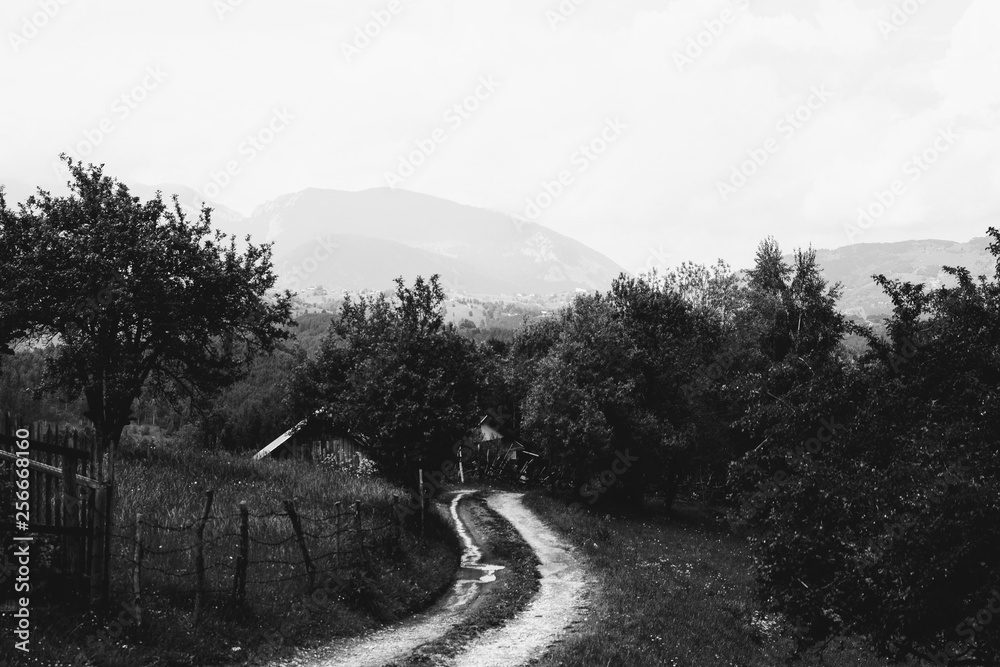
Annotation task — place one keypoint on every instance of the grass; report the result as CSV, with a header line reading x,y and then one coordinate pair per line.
x,y
676,592
393,579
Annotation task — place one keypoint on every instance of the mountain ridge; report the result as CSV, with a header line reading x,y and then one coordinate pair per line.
x,y
383,233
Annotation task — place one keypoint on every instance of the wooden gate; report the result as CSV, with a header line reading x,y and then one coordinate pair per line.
x,y
64,496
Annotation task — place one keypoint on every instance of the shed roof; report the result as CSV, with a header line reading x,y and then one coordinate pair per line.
x,y
280,440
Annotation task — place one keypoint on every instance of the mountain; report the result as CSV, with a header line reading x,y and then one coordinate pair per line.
x,y
913,261
383,233
363,240
354,263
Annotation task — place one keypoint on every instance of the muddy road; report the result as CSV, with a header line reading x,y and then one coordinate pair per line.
x,y
554,609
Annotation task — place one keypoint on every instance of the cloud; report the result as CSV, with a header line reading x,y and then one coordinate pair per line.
x,y
688,127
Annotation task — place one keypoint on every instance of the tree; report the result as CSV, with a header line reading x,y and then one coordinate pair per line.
x,y
770,272
583,398
877,496
134,294
786,333
392,372
714,291
608,377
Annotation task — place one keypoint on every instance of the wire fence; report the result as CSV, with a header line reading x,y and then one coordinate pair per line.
x,y
236,556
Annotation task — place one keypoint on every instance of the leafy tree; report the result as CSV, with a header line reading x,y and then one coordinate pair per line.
x,y
21,393
392,372
714,291
515,375
580,408
134,294
608,377
770,272
788,331
889,528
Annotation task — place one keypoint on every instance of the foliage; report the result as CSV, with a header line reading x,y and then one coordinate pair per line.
x,y
134,293
393,373
889,528
310,329
21,391
355,467
607,378
253,410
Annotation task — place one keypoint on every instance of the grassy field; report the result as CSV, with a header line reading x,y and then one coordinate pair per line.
x,y
167,484
676,592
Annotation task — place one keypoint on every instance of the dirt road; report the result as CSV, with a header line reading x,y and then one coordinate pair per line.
x,y
551,612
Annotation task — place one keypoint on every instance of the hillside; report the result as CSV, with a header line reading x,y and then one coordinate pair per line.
x,y
354,241
385,233
914,261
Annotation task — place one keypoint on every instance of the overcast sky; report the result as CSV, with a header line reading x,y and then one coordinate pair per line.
x,y
709,125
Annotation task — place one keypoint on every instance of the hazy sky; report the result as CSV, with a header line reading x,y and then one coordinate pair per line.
x,y
707,125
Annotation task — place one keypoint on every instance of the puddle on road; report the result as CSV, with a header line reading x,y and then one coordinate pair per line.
x,y
467,588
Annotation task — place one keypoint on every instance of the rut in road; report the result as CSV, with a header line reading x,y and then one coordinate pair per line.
x,y
556,607
551,612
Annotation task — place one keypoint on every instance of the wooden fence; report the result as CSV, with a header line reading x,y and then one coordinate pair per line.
x,y
65,497
236,556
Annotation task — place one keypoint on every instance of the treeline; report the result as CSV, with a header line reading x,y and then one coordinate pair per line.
x,y
865,474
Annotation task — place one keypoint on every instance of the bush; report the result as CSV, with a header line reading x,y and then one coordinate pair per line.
x,y
356,466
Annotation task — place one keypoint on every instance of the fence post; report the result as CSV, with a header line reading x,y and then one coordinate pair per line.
x,y
71,519
243,559
97,544
297,527
199,555
137,573
358,528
